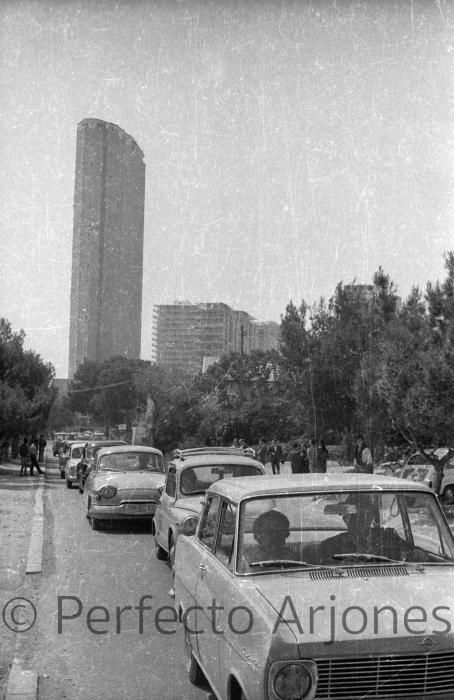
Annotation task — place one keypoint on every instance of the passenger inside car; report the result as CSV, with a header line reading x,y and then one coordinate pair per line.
x,y
270,530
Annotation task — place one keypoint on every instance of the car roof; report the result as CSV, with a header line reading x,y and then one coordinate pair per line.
x,y
106,443
78,443
214,459
237,489
121,449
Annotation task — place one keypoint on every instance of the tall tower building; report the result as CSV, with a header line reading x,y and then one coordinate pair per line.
x,y
107,258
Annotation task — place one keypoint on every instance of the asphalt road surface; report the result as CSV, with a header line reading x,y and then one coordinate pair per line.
x,y
113,651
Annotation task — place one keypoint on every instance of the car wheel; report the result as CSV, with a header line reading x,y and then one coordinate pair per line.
x,y
161,553
68,484
448,495
195,674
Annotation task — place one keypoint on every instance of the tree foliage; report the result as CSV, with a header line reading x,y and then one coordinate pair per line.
x,y
25,392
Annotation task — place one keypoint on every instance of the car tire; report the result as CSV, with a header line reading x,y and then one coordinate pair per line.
x,y
161,553
448,495
195,673
68,484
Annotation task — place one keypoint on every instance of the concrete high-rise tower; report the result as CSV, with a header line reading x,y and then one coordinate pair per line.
x,y
107,258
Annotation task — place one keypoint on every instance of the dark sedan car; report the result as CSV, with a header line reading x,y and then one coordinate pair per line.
x,y
87,461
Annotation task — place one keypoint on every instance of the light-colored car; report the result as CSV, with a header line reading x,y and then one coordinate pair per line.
x,y
64,454
85,465
75,453
124,484
189,474
318,586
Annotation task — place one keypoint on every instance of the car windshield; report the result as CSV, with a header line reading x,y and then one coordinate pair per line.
x,y
132,462
198,479
339,529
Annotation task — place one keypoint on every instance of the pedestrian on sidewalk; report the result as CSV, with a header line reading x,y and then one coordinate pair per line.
x,y
24,456
263,453
276,455
312,456
322,457
33,452
42,442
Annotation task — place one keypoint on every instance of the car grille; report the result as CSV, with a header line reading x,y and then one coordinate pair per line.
x,y
142,495
385,676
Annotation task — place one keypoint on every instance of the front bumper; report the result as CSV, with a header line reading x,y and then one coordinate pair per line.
x,y
124,511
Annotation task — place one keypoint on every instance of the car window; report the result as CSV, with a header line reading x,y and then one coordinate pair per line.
x,y
132,461
171,483
199,478
226,534
208,522
77,452
417,459
338,528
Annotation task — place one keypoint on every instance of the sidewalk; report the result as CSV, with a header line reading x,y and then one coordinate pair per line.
x,y
18,498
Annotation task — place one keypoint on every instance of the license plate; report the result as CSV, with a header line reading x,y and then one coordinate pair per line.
x,y
138,507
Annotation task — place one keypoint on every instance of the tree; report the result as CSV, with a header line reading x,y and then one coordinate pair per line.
x,y
26,395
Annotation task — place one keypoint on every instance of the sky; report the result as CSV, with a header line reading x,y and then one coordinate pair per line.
x,y
289,146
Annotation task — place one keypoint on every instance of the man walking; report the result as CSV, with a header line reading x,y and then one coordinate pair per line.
x,y
33,452
41,447
23,454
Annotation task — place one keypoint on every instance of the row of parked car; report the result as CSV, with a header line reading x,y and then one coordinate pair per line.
x,y
314,586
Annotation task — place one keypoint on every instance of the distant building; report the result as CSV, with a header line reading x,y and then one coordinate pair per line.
x,y
265,335
107,259
190,337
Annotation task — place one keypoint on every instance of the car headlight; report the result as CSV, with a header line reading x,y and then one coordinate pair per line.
x,y
107,491
189,525
294,680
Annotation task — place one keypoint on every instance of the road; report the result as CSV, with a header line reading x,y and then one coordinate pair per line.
x,y
113,651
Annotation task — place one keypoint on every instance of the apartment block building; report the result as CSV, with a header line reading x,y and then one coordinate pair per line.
x,y
190,337
107,257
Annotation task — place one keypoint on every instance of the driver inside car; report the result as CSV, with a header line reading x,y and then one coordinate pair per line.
x,y
364,534
270,531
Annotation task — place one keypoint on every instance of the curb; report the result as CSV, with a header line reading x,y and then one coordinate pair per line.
x,y
21,685
35,550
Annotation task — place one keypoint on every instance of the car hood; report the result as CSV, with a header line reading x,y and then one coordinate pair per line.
x,y
344,609
129,480
191,503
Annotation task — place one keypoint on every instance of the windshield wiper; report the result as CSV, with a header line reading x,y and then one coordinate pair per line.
x,y
363,556
279,562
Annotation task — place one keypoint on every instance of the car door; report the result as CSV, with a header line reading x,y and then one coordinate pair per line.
x,y
215,586
163,516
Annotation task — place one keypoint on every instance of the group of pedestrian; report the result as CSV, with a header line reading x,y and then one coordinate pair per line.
x,y
31,453
308,457
272,453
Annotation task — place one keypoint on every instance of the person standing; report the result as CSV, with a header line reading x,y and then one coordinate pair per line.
x,y
42,442
263,453
24,456
33,452
312,456
363,457
296,459
322,457
276,456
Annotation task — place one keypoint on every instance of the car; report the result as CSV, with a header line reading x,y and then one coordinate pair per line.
x,y
447,483
86,462
72,459
424,473
63,455
125,484
189,474
318,586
